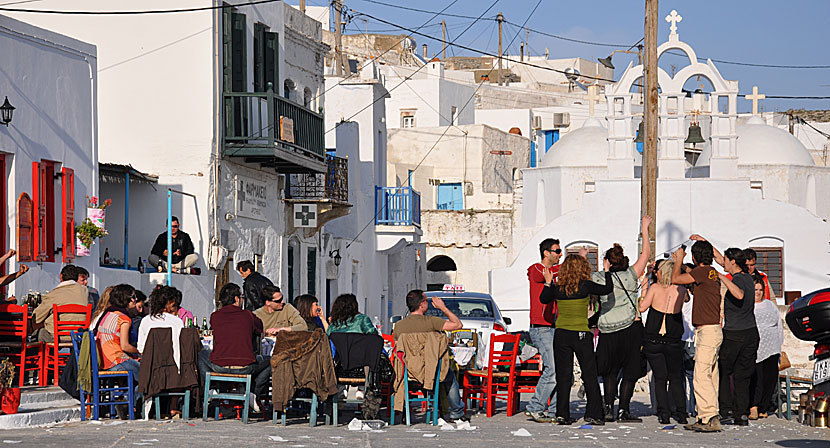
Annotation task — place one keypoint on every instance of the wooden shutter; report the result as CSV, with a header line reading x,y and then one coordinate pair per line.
x,y
260,84
272,60
770,261
3,213
39,205
239,62
25,228
593,256
68,221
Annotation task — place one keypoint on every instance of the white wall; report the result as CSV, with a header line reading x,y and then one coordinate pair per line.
x,y
51,79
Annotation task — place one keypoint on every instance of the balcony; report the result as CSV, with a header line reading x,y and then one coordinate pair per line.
x,y
329,191
397,216
267,129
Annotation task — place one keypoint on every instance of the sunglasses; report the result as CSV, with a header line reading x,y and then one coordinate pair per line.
x,y
556,251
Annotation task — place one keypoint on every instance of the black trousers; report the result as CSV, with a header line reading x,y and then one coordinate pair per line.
x,y
737,364
666,361
620,352
763,385
566,344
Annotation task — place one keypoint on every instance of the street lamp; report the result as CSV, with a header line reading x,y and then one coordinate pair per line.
x,y
335,254
6,112
607,61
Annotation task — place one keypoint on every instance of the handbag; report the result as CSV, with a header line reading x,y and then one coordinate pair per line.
x,y
784,362
618,318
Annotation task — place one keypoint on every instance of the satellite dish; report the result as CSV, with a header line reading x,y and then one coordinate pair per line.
x,y
408,44
572,74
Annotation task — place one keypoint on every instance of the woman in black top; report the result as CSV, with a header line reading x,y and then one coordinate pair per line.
x,y
662,342
572,292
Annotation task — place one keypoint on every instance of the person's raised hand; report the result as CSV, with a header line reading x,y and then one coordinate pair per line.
x,y
548,276
438,303
647,220
11,253
583,252
678,255
696,237
23,269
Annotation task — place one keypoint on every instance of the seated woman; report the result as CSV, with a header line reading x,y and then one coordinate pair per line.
x,y
113,334
572,291
345,317
311,311
181,312
103,304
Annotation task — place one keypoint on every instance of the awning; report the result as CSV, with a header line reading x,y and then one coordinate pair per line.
x,y
114,173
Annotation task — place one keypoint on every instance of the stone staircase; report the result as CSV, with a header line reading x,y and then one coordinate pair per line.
x,y
40,406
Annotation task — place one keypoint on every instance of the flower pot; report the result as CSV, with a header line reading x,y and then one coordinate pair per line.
x,y
97,216
80,248
10,400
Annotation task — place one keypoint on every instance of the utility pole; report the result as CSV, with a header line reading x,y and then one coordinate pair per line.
x,y
338,37
302,6
500,19
444,40
648,181
522,52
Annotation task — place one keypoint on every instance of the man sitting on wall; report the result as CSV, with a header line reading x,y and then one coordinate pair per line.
x,y
253,285
68,292
184,257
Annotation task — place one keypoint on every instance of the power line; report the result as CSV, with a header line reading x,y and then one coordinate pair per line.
x,y
408,8
138,12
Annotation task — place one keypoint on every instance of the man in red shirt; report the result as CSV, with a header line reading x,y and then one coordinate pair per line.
x,y
751,258
542,319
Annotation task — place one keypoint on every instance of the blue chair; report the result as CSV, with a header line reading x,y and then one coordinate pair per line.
x,y
227,378
105,388
431,399
312,416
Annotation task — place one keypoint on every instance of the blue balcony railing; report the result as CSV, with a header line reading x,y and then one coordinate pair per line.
x,y
397,206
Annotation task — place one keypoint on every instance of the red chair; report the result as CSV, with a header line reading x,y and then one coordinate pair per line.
x,y
491,388
29,354
527,376
53,359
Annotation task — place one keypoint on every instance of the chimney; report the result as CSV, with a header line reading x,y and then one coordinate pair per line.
x,y
425,51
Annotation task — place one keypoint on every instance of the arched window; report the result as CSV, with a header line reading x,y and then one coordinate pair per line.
x,y
287,86
307,97
441,263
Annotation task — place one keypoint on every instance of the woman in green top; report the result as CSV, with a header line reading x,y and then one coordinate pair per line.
x,y
572,292
345,317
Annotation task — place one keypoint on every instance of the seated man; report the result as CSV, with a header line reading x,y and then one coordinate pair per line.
x,y
83,278
416,322
184,257
276,315
234,330
68,292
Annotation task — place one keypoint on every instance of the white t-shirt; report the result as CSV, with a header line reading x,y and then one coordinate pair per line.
x,y
163,321
688,328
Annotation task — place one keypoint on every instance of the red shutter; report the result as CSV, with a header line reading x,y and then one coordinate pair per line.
x,y
39,197
68,201
25,228
3,215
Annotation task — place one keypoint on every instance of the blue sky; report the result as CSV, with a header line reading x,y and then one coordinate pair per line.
x,y
765,32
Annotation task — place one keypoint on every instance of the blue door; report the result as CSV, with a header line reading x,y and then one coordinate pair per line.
x,y
450,197
551,137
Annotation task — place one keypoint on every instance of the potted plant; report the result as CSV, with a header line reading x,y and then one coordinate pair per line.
x,y
9,396
85,235
95,212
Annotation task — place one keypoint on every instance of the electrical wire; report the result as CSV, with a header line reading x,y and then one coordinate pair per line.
x,y
408,8
137,12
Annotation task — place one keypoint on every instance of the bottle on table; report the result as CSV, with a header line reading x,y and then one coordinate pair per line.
x,y
204,324
140,266
107,255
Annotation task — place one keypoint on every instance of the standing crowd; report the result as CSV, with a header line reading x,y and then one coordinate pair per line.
x,y
716,334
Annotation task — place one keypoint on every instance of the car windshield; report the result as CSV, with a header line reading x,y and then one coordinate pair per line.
x,y
464,308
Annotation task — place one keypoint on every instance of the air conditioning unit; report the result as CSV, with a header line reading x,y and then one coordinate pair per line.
x,y
537,122
562,119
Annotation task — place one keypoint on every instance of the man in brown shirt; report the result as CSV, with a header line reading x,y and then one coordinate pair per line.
x,y
68,292
708,335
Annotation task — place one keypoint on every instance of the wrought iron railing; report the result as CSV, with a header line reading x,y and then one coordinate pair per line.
x,y
333,185
266,120
397,206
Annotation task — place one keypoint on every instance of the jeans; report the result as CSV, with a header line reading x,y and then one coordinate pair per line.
x,y
737,364
130,365
542,338
260,371
450,385
689,374
580,343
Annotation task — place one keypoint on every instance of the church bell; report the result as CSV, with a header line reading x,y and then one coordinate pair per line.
x,y
640,132
694,134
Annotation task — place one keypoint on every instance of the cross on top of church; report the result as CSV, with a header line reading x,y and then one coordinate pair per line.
x,y
755,97
673,18
592,95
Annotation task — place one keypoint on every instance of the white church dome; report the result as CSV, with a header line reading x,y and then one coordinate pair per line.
x,y
586,146
761,144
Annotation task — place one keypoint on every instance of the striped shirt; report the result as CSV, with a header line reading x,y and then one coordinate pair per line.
x,y
109,339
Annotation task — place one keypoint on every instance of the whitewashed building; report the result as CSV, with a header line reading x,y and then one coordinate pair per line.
x,y
47,151
219,106
753,185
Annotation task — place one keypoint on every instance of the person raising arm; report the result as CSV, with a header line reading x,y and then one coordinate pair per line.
x,y
453,322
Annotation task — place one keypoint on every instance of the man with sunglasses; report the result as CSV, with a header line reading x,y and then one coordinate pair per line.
x,y
276,315
184,256
542,320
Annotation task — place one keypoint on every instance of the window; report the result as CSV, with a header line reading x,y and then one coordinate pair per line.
x,y
307,97
266,58
25,228
407,119
450,197
257,262
68,208
312,271
593,255
771,262
3,213
234,51
43,192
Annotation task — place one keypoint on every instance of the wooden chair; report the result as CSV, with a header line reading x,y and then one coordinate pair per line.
x,y
227,378
29,355
527,376
105,390
53,358
495,384
428,398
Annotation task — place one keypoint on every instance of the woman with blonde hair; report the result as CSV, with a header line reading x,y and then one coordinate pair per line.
x,y
662,341
572,291
103,304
